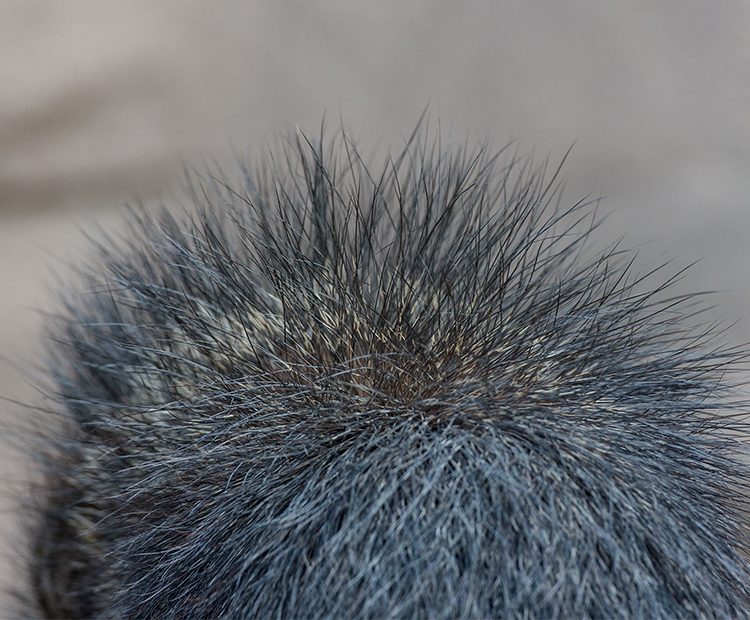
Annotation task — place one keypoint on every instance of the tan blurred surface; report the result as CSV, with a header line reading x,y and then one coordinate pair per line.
x,y
102,103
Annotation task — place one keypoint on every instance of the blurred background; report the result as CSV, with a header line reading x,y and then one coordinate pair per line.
x,y
105,103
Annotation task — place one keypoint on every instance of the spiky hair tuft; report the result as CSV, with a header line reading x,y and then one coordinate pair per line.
x,y
332,391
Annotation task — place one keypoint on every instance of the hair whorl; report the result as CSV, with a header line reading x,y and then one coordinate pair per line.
x,y
332,391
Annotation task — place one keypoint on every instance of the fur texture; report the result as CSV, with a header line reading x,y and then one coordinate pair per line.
x,y
330,391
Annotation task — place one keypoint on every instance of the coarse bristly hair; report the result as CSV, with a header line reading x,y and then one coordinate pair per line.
x,y
330,391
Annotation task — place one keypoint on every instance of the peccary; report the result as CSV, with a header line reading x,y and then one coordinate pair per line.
x,y
328,390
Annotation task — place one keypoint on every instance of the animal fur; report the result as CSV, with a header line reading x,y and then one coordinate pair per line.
x,y
333,391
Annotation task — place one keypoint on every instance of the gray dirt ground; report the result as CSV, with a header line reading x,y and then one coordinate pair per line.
x,y
103,103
